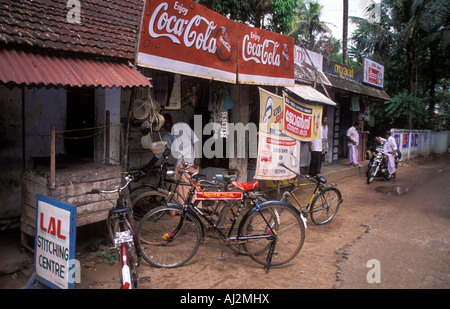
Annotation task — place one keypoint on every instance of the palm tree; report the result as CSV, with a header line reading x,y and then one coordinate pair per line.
x,y
412,37
308,23
345,32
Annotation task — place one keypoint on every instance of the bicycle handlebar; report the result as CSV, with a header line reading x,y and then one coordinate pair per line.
x,y
129,178
300,175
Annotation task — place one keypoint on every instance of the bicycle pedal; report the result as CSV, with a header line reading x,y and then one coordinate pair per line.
x,y
144,280
221,257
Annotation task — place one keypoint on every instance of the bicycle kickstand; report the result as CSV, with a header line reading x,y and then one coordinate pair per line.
x,y
270,254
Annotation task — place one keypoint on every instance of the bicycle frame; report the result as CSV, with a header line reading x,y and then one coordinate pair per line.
x,y
125,240
239,195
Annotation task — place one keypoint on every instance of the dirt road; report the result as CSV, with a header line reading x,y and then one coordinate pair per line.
x,y
407,234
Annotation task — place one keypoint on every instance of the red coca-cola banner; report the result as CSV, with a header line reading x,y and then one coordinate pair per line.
x,y
187,38
264,57
184,37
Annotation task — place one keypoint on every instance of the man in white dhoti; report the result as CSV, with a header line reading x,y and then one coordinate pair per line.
x,y
353,143
390,148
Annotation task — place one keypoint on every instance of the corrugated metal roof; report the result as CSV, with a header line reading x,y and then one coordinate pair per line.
x,y
310,94
22,67
352,86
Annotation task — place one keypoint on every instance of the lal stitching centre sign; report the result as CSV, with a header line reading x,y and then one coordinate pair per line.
x,y
187,38
55,242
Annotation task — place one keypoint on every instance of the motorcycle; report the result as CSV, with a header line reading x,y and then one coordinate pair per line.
x,y
378,165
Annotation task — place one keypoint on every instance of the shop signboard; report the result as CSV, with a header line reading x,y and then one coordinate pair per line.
x,y
187,38
301,121
264,57
341,70
373,73
55,242
303,55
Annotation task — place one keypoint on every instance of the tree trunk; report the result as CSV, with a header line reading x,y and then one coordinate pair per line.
x,y
345,33
410,55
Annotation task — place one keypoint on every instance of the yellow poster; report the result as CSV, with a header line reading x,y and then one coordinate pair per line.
x,y
271,111
301,121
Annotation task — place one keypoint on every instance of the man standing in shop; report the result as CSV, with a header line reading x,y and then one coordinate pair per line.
x,y
353,144
318,147
185,147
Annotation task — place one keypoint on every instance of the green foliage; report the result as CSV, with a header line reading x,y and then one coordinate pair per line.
x,y
411,38
272,15
405,105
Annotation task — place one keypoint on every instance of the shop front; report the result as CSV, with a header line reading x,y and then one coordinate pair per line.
x,y
206,69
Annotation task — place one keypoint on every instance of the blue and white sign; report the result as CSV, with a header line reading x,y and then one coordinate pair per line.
x,y
55,242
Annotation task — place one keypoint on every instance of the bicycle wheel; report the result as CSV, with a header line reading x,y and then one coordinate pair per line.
x,y
226,217
278,219
325,205
147,201
169,236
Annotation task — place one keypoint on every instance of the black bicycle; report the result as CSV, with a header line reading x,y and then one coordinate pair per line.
x,y
272,233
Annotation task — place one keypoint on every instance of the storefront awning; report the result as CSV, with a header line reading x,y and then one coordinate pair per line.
x,y
355,87
310,94
23,67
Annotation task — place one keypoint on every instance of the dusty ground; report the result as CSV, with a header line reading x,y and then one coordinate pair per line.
x,y
407,233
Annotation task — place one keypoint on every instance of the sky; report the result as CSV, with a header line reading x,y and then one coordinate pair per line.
x,y
333,13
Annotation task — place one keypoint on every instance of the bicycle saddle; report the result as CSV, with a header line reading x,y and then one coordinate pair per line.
x,y
197,176
321,179
226,178
245,186
117,211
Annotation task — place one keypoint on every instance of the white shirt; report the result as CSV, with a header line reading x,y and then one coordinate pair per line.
x,y
324,135
316,145
389,145
353,134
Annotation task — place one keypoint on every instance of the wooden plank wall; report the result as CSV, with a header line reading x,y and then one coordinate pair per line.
x,y
71,187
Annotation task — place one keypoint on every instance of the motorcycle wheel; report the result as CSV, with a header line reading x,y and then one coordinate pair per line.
x,y
371,175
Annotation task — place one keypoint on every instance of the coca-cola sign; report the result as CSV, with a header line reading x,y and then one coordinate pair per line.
x,y
185,37
265,58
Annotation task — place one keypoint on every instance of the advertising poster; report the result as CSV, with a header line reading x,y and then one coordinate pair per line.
x,y
373,73
271,112
187,38
264,58
301,121
273,150
55,242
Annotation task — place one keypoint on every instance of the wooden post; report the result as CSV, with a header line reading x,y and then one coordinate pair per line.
x,y
52,184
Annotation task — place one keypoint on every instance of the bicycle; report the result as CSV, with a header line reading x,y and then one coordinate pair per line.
x,y
324,202
165,190
122,233
272,233
147,196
